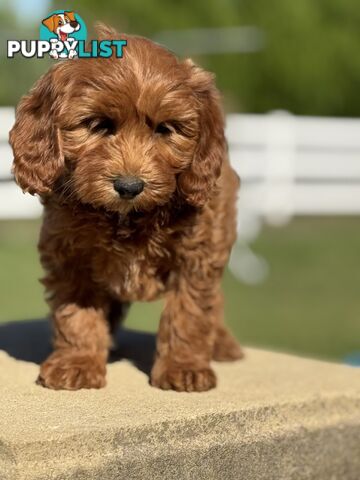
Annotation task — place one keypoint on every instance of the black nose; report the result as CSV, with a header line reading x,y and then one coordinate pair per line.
x,y
128,187
74,23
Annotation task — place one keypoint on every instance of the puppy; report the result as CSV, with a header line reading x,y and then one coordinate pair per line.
x,y
62,25
130,161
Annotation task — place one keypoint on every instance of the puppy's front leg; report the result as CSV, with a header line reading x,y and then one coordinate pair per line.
x,y
186,337
81,349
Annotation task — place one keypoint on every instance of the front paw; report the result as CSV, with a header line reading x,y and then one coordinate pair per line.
x,y
65,370
183,378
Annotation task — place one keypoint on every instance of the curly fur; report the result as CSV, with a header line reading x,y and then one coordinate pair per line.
x,y
84,123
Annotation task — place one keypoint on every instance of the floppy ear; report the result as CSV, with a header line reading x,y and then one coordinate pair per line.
x,y
50,23
35,139
197,183
71,15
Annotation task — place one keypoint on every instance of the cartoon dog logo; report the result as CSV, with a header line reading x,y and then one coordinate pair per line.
x,y
62,25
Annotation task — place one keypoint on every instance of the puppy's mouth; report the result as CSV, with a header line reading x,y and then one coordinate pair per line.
x,y
63,36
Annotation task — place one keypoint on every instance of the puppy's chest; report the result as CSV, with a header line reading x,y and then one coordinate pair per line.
x,y
136,269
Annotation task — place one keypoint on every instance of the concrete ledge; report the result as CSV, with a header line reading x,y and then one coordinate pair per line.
x,y
273,416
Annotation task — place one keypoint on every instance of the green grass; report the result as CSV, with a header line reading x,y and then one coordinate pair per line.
x,y
309,304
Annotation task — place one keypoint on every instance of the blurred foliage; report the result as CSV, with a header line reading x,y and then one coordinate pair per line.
x,y
310,63
16,74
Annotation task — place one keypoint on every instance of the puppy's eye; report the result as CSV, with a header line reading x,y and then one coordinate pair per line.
x,y
105,125
164,128
60,23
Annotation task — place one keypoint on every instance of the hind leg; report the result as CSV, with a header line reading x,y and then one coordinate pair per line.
x,y
226,347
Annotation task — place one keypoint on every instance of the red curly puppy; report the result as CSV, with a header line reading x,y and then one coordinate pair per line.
x,y
130,161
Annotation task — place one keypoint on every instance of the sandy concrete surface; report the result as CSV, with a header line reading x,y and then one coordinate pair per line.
x,y
273,416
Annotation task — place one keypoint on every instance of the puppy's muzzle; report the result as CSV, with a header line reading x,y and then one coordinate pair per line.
x,y
74,24
128,187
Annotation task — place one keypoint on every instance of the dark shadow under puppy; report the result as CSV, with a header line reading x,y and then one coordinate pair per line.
x,y
30,341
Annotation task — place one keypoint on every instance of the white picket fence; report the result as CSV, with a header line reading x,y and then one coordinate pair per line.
x,y
13,203
288,166
295,166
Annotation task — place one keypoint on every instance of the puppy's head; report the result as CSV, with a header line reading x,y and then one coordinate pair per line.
x,y
122,134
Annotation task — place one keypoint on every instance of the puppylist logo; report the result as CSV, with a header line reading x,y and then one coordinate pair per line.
x,y
63,35
63,30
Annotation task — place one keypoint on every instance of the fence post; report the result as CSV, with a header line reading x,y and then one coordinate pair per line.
x,y
279,178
